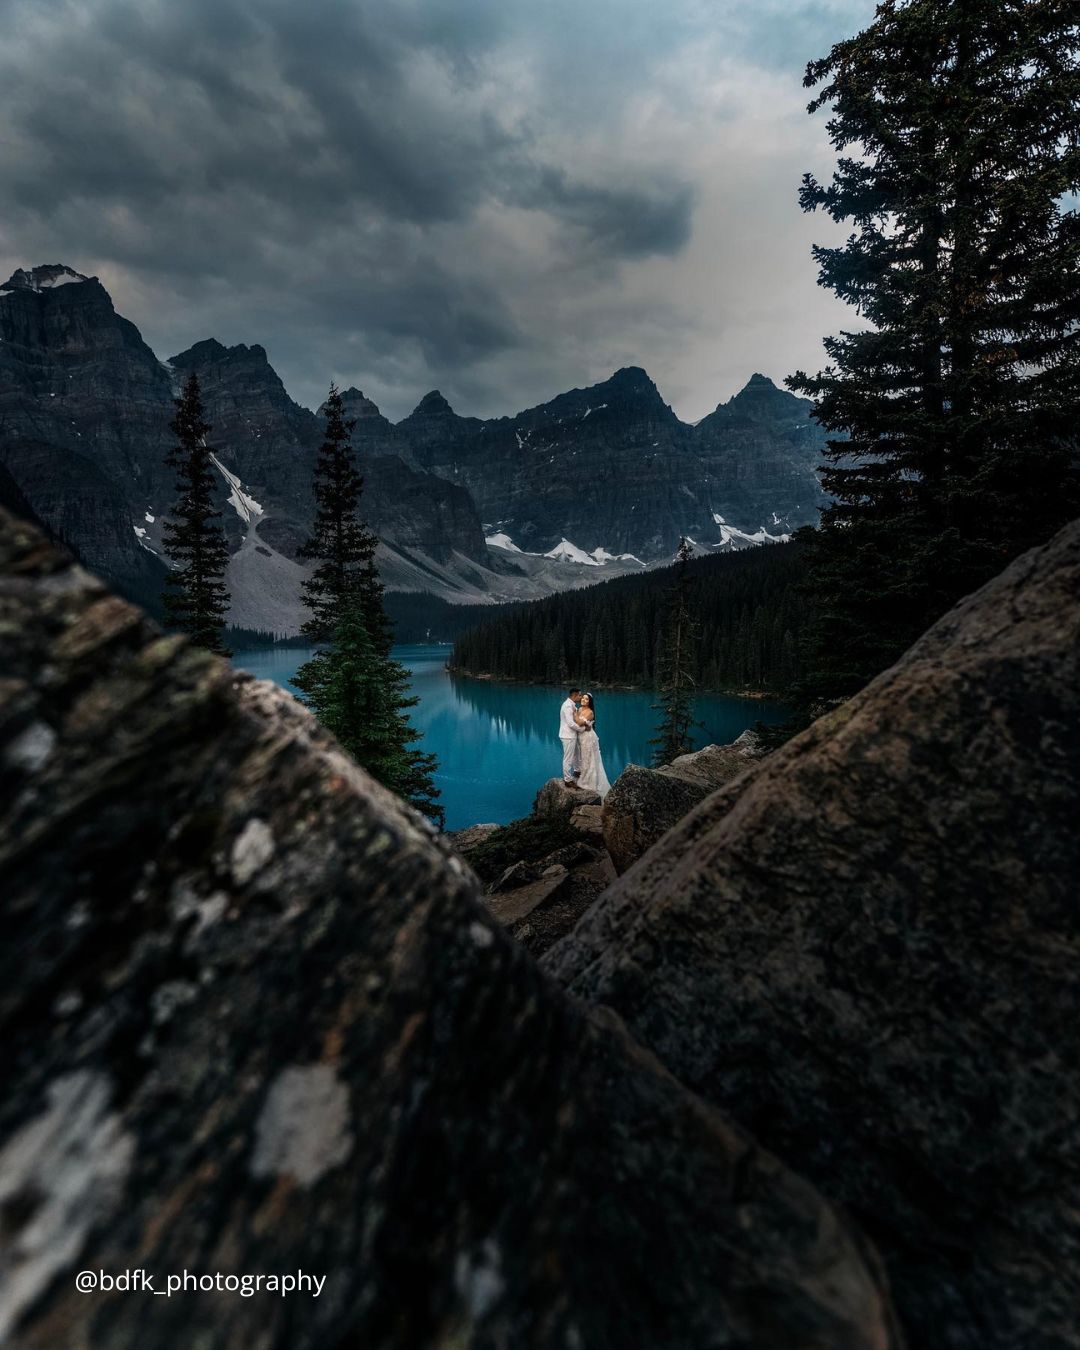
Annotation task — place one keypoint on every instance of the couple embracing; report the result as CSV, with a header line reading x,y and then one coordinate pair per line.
x,y
582,765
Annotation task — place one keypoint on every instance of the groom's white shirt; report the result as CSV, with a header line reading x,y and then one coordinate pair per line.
x,y
568,728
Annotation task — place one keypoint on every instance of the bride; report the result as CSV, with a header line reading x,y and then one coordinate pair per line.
x,y
591,777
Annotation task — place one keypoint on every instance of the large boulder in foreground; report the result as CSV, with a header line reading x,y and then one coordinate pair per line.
x,y
256,1021
644,804
869,951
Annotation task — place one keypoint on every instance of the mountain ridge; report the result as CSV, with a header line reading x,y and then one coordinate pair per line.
x,y
593,482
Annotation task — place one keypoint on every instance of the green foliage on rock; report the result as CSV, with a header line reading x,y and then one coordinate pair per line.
x,y
527,840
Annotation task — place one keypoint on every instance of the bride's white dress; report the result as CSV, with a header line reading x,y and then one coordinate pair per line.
x,y
592,776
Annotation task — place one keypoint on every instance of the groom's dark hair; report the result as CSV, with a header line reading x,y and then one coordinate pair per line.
x,y
572,692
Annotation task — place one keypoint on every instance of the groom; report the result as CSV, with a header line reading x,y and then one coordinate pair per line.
x,y
569,731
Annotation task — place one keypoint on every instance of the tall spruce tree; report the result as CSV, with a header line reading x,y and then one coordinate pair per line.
x,y
958,408
341,545
195,598
677,667
362,698
352,684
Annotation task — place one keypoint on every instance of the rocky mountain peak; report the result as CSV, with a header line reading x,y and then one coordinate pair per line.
x,y
631,377
433,404
632,385
629,390
44,278
210,351
356,404
761,397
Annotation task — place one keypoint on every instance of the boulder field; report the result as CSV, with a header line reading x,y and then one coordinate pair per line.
x,y
256,1018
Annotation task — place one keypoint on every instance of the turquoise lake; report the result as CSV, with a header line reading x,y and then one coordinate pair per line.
x,y
498,743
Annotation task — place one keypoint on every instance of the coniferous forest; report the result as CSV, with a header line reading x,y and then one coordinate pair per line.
x,y
749,606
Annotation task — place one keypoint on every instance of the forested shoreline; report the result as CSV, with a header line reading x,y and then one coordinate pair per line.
x,y
749,607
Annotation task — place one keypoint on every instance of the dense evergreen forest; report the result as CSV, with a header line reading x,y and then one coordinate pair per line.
x,y
748,605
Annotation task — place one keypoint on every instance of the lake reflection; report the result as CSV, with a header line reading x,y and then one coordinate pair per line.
x,y
498,743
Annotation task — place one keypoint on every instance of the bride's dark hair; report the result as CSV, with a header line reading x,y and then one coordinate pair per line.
x,y
592,705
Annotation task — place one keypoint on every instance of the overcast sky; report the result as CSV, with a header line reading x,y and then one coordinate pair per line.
x,y
499,198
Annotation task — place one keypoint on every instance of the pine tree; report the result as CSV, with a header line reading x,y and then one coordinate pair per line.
x,y
361,697
677,668
341,545
957,408
352,684
195,598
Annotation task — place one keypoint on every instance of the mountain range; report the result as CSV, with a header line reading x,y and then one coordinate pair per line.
x,y
596,482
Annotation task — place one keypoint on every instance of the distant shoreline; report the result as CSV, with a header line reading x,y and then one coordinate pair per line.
x,y
487,678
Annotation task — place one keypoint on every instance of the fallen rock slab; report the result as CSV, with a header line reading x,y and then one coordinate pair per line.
x,y
644,804
256,1019
588,820
510,905
868,949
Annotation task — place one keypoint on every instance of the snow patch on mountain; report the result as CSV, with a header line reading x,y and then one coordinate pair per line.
x,y
501,541
140,535
603,556
39,279
565,551
245,506
730,537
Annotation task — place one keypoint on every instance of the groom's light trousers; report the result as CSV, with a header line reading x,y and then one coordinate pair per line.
x,y
569,756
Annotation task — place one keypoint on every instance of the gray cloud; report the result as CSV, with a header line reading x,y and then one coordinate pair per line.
x,y
493,196
624,222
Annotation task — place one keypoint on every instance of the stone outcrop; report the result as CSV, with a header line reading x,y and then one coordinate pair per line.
x,y
541,873
556,799
468,840
868,949
588,819
641,806
255,1019
644,804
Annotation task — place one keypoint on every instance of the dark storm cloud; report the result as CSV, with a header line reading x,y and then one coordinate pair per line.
x,y
402,192
624,221
326,109
307,106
